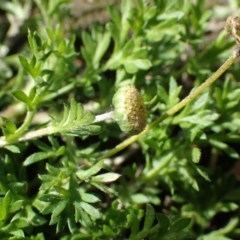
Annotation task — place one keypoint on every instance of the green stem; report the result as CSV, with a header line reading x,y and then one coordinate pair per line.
x,y
59,92
18,136
43,12
30,135
38,133
178,106
23,127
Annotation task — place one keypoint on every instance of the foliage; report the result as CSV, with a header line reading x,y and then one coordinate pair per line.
x,y
179,180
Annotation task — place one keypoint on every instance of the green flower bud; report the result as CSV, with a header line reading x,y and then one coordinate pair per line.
x,y
129,110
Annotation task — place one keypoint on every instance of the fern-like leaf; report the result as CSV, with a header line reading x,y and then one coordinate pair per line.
x,y
74,122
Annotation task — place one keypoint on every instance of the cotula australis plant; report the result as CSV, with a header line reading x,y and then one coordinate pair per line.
x,y
70,189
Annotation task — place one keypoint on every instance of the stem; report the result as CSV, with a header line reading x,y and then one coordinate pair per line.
x,y
51,130
30,135
177,107
38,133
103,117
41,132
43,12
24,126
60,91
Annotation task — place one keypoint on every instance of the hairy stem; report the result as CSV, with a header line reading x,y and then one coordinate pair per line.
x,y
103,117
20,137
195,93
24,126
59,92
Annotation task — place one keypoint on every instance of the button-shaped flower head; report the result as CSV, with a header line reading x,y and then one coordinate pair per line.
x,y
129,110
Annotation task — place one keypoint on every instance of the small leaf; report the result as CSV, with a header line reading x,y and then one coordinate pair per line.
x,y
203,174
180,224
70,114
226,207
82,216
79,112
31,41
59,208
128,48
36,157
60,151
61,223
73,111
139,198
130,67
115,15
104,188
162,94
93,212
43,146
102,47
49,208
196,131
165,28
21,96
38,220
52,170
200,102
149,217
174,91
34,41
71,223
90,129
89,197
57,220
164,222
134,225
24,62
46,178
65,115
87,118
37,39
33,61
13,148
144,64
86,56
224,147
144,233
203,118
126,7
107,177
85,174
186,174
16,206
9,127
20,223
196,154
7,201
26,65
44,58
53,198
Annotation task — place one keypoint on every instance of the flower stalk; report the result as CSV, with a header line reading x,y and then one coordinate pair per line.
x,y
194,94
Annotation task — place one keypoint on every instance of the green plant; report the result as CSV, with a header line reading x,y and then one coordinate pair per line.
x,y
57,179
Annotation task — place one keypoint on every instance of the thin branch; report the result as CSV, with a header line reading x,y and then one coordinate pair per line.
x,y
103,117
195,93
45,131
